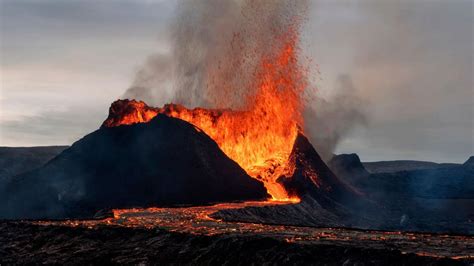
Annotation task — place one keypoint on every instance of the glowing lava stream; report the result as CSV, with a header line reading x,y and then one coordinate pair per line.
x,y
260,138
199,221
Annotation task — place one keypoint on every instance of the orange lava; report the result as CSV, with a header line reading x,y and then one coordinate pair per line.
x,y
259,137
199,220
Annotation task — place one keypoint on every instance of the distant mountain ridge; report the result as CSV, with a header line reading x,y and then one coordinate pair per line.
x,y
348,167
17,160
469,163
410,178
403,165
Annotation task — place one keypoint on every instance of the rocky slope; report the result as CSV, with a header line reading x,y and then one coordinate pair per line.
x,y
325,199
165,161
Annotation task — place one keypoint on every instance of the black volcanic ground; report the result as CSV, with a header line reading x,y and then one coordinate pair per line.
x,y
23,243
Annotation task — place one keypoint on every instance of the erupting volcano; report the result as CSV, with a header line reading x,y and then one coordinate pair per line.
x,y
250,140
215,153
259,137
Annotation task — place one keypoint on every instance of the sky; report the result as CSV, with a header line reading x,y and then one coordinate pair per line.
x,y
410,62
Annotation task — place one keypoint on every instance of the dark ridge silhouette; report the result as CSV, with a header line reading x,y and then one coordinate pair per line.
x,y
18,160
348,167
469,163
164,162
404,165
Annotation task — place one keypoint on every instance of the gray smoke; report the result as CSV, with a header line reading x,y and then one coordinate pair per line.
x,y
216,46
327,122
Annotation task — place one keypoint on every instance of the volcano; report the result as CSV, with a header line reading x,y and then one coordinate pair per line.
x,y
166,161
260,144
139,157
300,174
286,176
162,160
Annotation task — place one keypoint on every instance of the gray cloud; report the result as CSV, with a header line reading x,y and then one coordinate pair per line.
x,y
412,63
52,127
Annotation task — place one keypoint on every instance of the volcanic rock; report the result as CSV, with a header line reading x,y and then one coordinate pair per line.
x,y
164,162
313,178
348,167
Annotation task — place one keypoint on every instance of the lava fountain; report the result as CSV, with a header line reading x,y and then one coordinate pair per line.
x,y
259,137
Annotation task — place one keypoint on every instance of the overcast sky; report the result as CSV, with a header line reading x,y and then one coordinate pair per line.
x,y
64,62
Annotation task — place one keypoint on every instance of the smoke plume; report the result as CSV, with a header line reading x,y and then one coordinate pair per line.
x,y
328,121
216,47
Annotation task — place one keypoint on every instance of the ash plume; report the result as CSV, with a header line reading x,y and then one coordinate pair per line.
x,y
216,47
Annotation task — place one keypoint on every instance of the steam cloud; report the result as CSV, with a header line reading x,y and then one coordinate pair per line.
x,y
216,46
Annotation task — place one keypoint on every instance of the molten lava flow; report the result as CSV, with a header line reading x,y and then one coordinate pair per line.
x,y
259,138
199,220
